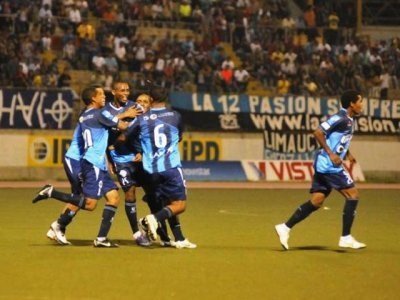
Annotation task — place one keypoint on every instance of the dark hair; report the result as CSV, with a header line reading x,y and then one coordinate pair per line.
x,y
88,93
349,96
158,94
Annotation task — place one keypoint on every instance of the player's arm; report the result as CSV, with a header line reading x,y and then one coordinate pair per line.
x,y
320,136
130,112
109,120
350,157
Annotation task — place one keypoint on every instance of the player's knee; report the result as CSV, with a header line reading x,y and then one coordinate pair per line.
x,y
90,204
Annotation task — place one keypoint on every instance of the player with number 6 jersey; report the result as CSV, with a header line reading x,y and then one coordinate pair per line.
x,y
159,131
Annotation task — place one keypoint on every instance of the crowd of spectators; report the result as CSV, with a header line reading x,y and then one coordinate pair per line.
x,y
315,52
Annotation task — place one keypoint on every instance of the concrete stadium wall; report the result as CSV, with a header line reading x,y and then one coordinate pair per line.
x,y
37,155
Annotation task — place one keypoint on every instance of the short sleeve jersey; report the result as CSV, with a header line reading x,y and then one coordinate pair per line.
x,y
159,131
122,153
76,148
338,130
94,126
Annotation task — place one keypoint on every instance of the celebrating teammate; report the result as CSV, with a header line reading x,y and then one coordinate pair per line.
x,y
96,180
160,131
334,137
125,162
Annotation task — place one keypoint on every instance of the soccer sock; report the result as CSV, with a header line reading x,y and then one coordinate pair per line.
x,y
77,200
302,212
162,231
108,217
163,214
130,210
66,218
349,212
176,228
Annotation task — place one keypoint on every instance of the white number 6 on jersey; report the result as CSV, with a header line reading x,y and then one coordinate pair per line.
x,y
160,139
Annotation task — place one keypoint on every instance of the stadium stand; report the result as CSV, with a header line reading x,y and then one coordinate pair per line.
x,y
182,45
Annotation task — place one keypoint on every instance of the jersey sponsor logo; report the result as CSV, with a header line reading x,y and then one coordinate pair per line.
x,y
153,116
325,125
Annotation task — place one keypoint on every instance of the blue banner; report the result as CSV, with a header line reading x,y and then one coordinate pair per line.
x,y
279,114
35,109
213,171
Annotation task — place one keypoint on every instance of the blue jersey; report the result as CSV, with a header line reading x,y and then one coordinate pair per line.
x,y
94,126
338,130
76,148
159,131
121,153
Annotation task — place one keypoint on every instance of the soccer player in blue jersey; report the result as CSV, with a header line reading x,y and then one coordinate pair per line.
x,y
125,162
72,167
160,131
334,137
96,180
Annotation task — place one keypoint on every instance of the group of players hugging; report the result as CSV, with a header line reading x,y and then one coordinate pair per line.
x,y
138,142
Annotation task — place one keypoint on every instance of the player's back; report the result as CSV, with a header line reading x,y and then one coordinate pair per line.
x,y
338,130
95,135
160,133
76,148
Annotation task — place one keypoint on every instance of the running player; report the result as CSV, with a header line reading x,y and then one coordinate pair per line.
x,y
334,137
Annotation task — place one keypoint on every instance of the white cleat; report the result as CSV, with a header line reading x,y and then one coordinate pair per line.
x,y
185,244
283,233
151,225
349,241
51,235
57,234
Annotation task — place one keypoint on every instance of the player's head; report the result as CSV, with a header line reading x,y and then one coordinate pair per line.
x,y
145,101
93,94
352,99
158,94
120,90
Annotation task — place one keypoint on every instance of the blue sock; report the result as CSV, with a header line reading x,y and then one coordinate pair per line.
x,y
66,218
302,212
349,212
176,228
108,217
163,214
130,210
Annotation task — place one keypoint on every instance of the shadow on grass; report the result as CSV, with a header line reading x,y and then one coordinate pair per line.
x,y
314,248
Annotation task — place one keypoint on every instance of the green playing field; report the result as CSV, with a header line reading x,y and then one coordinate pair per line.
x,y
238,254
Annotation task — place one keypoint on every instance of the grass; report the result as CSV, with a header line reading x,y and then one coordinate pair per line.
x,y
238,254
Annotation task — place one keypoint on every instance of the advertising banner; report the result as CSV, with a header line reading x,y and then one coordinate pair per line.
x,y
213,171
35,109
286,122
281,170
283,114
47,150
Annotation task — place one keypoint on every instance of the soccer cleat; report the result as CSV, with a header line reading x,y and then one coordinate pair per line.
x,y
168,243
349,241
51,234
283,233
55,233
142,240
104,244
44,193
185,244
150,225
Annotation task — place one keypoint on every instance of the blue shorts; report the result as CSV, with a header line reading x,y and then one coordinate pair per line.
x,y
127,174
170,184
96,182
325,182
73,170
